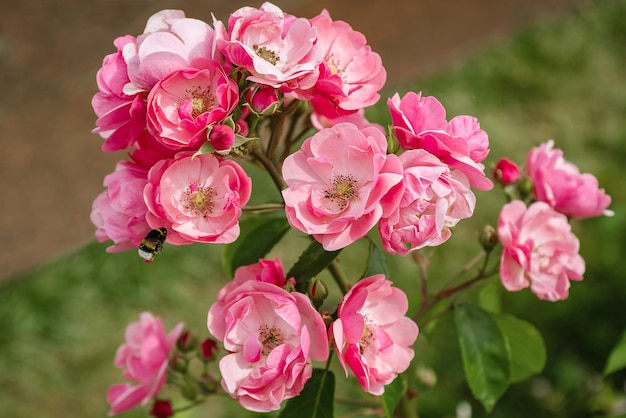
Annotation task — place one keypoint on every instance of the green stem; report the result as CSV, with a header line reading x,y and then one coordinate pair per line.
x,y
339,277
409,407
268,207
189,406
270,167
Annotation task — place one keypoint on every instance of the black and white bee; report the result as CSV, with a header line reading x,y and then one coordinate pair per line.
x,y
152,244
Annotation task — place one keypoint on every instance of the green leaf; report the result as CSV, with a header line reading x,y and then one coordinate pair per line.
x,y
392,395
316,399
312,261
485,356
527,352
617,358
259,234
376,264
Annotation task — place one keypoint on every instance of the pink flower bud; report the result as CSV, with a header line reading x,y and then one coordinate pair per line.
x,y
162,409
263,101
222,137
506,172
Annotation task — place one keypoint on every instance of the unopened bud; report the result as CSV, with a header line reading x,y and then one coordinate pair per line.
x,y
317,291
186,342
179,363
208,349
392,142
489,238
327,318
222,137
263,101
525,188
426,376
506,172
162,409
207,384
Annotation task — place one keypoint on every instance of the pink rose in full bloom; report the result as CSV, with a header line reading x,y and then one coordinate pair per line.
x,y
340,183
560,184
420,123
275,47
357,118
144,357
372,334
435,199
506,171
540,250
271,336
350,75
267,271
121,117
119,212
198,199
185,103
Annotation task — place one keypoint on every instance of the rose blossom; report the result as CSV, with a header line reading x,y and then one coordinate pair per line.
x,y
372,335
357,118
540,250
434,200
420,123
506,171
119,212
185,103
275,47
560,184
340,183
144,358
271,336
198,199
267,271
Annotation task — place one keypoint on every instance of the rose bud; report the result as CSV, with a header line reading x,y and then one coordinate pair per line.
x,y
162,409
506,172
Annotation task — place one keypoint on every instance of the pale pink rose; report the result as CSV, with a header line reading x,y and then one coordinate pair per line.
x,y
170,42
271,336
559,183
351,74
420,123
121,117
435,199
506,172
275,47
198,199
119,212
357,118
185,103
144,357
340,183
372,334
267,271
540,250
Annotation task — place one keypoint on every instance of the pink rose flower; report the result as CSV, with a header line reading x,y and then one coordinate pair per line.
x,y
170,42
560,184
121,117
435,199
185,103
351,74
340,183
540,250
144,358
271,336
357,118
275,47
267,271
119,212
198,199
506,172
420,123
372,334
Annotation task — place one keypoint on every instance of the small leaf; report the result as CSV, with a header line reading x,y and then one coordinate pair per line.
x,y
392,395
377,264
527,352
316,399
485,357
617,358
259,234
312,261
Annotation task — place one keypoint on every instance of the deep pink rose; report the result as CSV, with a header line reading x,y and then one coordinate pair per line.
x,y
540,250
420,123
506,172
198,199
119,212
275,47
144,358
185,103
435,199
351,74
560,184
372,334
271,336
340,183
170,42
121,117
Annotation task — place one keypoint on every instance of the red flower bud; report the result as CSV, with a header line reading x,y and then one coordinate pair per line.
x,y
506,171
208,349
162,409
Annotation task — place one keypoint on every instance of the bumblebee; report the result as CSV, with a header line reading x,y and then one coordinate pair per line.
x,y
152,244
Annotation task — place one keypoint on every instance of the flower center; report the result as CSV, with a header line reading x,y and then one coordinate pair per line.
x,y
201,101
199,199
267,54
270,338
366,339
334,65
343,191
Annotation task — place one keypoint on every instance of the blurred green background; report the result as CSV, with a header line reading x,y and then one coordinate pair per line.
x,y
61,324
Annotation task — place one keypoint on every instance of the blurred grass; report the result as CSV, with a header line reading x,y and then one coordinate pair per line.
x,y
61,324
